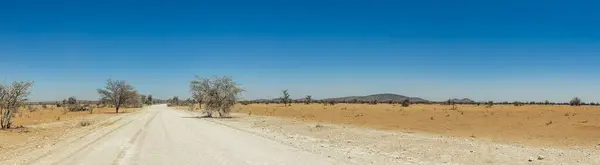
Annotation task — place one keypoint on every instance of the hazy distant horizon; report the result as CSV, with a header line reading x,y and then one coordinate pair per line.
x,y
436,50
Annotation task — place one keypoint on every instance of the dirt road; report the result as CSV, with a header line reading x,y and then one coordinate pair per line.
x,y
161,135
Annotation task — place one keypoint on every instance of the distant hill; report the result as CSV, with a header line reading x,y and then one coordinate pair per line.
x,y
462,101
380,97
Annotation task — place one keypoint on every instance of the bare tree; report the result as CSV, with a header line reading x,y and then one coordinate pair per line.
x,y
118,92
11,98
218,94
286,98
308,99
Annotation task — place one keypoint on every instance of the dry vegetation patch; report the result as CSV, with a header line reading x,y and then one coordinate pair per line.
x,y
54,114
34,125
556,125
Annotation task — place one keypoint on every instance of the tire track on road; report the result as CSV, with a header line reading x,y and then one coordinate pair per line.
x,y
133,139
82,134
88,144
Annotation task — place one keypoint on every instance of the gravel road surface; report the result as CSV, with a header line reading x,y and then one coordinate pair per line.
x,y
161,135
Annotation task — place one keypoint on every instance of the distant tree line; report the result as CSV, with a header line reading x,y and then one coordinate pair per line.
x,y
308,100
175,101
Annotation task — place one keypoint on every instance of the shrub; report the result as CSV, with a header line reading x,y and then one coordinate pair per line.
x,y
78,108
331,102
353,101
454,108
405,103
85,123
489,104
174,101
517,103
373,102
31,108
575,102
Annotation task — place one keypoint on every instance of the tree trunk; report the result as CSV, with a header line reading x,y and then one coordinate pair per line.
x,y
117,110
2,118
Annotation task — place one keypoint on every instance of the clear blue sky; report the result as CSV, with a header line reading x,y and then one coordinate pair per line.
x,y
485,50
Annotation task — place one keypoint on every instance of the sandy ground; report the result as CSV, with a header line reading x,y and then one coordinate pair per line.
x,y
360,144
41,127
535,125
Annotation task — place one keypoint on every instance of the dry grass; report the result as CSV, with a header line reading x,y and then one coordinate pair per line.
x,y
531,124
51,114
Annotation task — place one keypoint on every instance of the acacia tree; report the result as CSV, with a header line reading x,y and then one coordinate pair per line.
x,y
118,92
286,98
218,94
308,99
11,98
